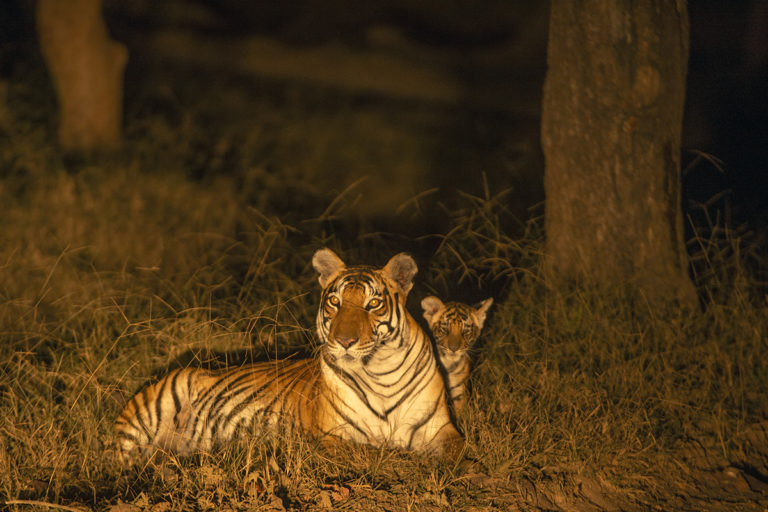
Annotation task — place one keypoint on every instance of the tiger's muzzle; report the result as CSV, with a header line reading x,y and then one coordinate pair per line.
x,y
351,327
454,340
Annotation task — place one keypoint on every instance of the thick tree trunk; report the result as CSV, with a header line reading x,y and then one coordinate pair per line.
x,y
86,67
611,129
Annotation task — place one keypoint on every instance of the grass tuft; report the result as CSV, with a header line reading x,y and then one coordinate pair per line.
x,y
117,270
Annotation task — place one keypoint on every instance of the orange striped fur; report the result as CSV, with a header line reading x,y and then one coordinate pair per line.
x,y
455,327
375,379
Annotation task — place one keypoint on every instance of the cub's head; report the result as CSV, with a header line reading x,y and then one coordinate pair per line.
x,y
361,308
455,326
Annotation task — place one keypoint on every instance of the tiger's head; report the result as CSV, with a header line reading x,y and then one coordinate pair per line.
x,y
361,308
455,326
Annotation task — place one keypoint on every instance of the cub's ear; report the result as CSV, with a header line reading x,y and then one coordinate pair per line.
x,y
327,265
481,310
401,268
432,307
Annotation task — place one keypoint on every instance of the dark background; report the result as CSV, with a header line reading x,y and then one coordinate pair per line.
x,y
484,139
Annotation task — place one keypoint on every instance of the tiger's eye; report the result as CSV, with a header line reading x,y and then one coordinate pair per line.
x,y
333,300
374,303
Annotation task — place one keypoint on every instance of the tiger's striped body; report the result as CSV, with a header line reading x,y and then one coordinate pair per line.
x,y
192,409
375,380
455,327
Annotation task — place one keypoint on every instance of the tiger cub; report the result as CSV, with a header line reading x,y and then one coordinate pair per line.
x,y
375,379
456,327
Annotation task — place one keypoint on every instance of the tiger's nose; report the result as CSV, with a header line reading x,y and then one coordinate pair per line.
x,y
346,341
453,341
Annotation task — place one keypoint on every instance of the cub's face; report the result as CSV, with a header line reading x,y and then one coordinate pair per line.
x,y
361,308
456,326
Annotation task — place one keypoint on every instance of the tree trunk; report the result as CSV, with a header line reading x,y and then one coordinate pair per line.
x,y
611,128
86,67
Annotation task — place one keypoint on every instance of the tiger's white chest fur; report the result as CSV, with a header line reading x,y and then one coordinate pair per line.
x,y
453,360
390,399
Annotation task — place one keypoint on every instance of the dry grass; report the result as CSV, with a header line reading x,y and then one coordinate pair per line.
x,y
113,271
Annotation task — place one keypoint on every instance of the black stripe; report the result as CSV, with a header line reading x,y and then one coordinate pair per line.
x,y
128,437
221,404
352,383
396,368
423,422
175,393
227,389
347,419
158,400
243,402
459,385
308,393
136,426
422,374
142,424
417,365
300,372
206,398
284,391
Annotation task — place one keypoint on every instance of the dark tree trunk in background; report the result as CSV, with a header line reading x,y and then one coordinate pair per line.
x,y
611,128
86,67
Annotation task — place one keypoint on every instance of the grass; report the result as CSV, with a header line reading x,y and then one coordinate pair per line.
x,y
116,269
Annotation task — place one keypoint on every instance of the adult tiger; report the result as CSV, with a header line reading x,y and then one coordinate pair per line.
x,y
375,380
456,327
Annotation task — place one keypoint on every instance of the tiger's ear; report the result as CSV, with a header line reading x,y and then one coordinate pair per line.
x,y
327,265
481,310
401,268
432,307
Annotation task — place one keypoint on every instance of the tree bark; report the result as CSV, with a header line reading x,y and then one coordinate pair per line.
x,y
86,67
611,131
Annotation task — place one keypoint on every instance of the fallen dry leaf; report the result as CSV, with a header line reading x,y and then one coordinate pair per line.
x,y
336,492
